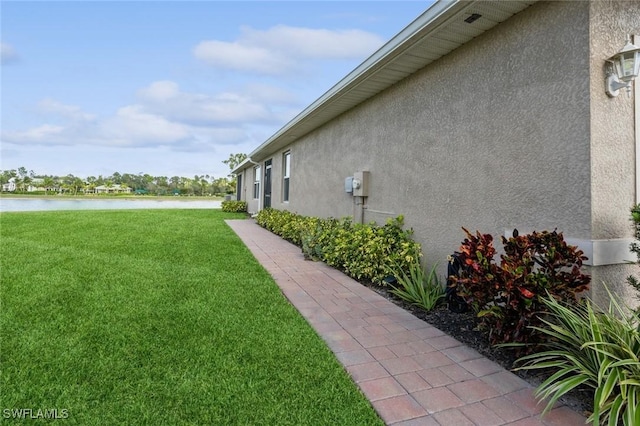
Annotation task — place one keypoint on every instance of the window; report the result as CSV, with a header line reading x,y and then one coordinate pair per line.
x,y
256,182
285,175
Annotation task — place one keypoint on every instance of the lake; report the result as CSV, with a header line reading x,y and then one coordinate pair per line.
x,y
43,204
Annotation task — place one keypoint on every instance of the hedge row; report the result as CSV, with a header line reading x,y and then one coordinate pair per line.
x,y
233,206
363,251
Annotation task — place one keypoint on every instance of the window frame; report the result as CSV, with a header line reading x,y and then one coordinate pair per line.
x,y
257,176
286,176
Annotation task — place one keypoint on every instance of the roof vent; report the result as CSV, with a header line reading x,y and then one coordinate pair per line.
x,y
474,17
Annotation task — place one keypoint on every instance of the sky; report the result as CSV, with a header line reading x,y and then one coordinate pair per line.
x,y
171,88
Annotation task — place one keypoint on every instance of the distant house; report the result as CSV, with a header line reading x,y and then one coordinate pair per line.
x,y
490,115
9,186
36,184
113,189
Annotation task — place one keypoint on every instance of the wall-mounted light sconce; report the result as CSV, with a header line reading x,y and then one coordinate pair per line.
x,y
622,68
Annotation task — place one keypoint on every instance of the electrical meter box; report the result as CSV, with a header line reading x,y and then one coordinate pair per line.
x,y
348,185
361,184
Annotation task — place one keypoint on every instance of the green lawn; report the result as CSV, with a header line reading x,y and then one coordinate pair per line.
x,y
158,317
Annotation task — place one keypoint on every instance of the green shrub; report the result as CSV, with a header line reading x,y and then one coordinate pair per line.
x,y
287,225
360,250
417,287
635,248
592,348
263,218
317,237
234,206
508,297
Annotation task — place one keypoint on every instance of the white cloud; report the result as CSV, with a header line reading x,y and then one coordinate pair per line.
x,y
164,117
166,99
7,53
210,139
38,135
132,126
239,56
271,94
280,48
160,91
315,43
50,106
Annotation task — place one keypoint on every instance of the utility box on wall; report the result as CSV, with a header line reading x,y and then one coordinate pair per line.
x,y
348,185
361,184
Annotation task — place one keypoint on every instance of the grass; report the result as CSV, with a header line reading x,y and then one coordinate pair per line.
x,y
158,317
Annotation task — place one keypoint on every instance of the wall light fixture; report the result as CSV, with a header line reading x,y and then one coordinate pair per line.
x,y
622,69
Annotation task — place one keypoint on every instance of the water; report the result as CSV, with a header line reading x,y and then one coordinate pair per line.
x,y
44,204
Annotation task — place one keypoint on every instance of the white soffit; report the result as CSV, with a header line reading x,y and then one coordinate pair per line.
x,y
438,31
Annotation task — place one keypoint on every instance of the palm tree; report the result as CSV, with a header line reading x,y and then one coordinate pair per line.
x,y
92,182
76,184
204,183
162,185
234,160
47,182
175,182
116,178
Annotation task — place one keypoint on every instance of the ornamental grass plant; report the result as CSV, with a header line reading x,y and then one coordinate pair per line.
x,y
416,286
594,348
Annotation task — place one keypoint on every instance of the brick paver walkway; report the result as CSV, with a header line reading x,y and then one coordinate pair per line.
x,y
412,373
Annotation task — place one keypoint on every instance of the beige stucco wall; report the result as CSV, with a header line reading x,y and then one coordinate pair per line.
x,y
512,130
277,185
492,137
246,192
612,140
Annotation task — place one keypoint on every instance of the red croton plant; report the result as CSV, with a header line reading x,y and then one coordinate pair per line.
x,y
508,297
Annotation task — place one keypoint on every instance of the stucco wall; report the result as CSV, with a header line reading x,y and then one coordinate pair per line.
x,y
494,136
612,140
254,205
612,124
512,130
246,192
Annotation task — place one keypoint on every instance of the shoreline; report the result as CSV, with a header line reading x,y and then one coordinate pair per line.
x,y
52,203
109,198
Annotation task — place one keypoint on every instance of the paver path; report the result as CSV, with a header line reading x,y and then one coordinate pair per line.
x,y
412,373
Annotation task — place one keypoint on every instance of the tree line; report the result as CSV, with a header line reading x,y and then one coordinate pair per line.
x,y
141,183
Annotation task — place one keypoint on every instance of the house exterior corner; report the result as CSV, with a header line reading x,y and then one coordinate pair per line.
x,y
510,130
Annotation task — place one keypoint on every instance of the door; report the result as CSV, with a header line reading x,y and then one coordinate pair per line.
x,y
267,184
239,187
